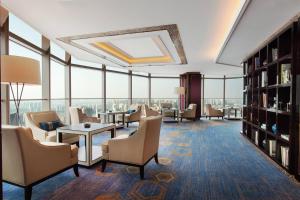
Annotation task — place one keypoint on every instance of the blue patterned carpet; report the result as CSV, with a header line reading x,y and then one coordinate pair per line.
x,y
199,160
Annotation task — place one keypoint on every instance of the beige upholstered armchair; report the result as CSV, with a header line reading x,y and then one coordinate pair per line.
x,y
27,162
77,116
211,112
136,150
189,113
166,109
33,120
150,112
134,116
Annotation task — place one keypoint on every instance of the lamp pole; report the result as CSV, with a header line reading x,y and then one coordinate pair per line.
x,y
17,100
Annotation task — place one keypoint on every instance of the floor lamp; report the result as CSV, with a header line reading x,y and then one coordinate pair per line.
x,y
181,92
20,71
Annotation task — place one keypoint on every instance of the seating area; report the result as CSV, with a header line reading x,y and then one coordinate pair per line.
x,y
150,100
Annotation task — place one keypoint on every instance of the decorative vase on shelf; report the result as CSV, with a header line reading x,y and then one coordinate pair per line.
x,y
274,129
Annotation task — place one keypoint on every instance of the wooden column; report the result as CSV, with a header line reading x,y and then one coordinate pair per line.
x,y
191,81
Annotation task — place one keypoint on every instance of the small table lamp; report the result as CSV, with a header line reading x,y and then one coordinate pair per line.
x,y
20,71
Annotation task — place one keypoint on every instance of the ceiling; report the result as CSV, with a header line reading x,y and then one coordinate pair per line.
x,y
203,26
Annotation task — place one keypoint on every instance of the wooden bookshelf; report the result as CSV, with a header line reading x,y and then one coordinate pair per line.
x,y
270,95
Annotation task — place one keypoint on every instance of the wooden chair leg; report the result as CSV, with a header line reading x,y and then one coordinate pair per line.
x,y
142,172
75,169
127,124
103,165
156,158
28,192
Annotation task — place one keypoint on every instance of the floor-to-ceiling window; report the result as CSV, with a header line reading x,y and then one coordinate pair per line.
x,y
214,92
234,96
57,85
117,92
163,90
140,88
32,95
86,89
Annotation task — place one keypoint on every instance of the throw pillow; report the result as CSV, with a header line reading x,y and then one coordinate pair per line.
x,y
50,126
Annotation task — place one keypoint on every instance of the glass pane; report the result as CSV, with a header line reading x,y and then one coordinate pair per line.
x,y
163,90
213,92
57,80
57,51
30,91
85,63
233,97
86,83
25,106
92,107
116,85
20,28
140,87
59,105
164,87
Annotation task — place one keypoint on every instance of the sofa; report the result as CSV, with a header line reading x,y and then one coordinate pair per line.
x,y
133,114
27,162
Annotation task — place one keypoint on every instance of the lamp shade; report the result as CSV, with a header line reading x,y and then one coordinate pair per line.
x,y
180,90
17,69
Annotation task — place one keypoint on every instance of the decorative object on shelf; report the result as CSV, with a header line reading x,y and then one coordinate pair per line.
x,y
275,128
285,136
264,100
280,105
285,156
265,62
256,137
288,107
264,79
274,54
285,73
275,104
264,144
272,148
20,71
256,62
263,126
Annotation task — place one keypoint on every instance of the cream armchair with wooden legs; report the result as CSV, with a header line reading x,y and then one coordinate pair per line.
x,y
27,162
133,115
77,116
137,149
211,112
150,112
189,113
33,120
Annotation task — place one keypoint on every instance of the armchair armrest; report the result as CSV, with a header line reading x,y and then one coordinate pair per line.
x,y
47,158
38,133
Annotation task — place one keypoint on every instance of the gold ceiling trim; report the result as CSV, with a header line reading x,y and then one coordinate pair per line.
x,y
171,28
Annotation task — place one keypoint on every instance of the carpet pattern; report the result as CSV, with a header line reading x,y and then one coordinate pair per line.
x,y
198,160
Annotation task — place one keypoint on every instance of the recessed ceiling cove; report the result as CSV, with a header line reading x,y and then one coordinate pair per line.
x,y
157,45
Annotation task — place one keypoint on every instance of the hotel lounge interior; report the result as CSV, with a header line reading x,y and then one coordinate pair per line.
x,y
150,100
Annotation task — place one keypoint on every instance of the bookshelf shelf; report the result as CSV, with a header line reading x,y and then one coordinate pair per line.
x,y
269,109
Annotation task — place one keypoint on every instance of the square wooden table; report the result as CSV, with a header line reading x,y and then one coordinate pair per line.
x,y
90,152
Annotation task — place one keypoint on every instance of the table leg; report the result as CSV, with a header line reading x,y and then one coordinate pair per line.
x,y
59,137
114,118
113,133
88,149
235,113
123,119
174,115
